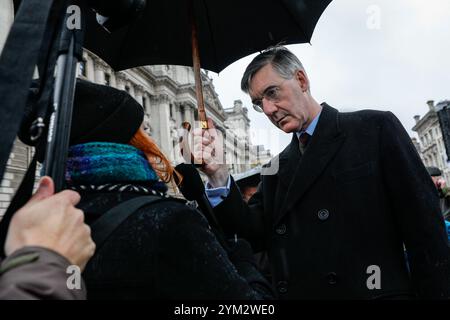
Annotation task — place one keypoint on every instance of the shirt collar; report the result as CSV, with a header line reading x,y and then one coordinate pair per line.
x,y
312,126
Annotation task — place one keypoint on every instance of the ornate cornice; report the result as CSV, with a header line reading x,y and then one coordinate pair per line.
x,y
139,89
187,103
429,117
121,76
160,98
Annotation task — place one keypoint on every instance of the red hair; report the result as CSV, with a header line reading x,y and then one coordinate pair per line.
x,y
159,162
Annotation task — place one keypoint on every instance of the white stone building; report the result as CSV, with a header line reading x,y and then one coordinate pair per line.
x,y
431,144
263,156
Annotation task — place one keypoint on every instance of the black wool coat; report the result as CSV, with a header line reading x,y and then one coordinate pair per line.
x,y
356,198
166,250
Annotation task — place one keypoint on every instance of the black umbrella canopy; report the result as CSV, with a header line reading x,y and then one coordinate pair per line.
x,y
226,30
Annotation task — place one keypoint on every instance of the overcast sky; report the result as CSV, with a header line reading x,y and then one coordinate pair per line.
x,y
385,55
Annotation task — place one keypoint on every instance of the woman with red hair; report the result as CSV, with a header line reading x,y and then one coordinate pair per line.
x,y
164,249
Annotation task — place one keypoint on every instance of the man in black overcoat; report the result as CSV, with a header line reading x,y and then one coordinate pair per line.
x,y
346,210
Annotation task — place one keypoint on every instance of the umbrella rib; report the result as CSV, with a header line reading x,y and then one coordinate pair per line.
x,y
211,33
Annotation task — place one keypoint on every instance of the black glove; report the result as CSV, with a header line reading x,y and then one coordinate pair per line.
x,y
239,250
240,254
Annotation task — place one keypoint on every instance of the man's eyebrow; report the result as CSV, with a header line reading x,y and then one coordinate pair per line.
x,y
268,88
264,92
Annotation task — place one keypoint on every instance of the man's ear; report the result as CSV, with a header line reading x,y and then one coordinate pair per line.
x,y
302,79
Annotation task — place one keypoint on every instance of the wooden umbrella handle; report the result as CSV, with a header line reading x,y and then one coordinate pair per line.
x,y
196,64
184,140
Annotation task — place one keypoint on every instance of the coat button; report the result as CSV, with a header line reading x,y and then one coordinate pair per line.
x,y
281,229
282,286
323,214
332,278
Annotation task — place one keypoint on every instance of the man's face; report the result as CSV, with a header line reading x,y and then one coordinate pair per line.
x,y
290,110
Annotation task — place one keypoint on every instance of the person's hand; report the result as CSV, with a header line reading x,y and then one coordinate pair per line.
x,y
440,183
51,221
209,149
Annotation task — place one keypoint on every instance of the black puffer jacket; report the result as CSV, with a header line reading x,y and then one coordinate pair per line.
x,y
166,250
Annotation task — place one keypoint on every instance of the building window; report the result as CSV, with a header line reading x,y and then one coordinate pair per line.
x,y
82,68
107,79
171,110
183,114
144,103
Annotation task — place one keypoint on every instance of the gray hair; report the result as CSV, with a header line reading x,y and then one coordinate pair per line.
x,y
283,61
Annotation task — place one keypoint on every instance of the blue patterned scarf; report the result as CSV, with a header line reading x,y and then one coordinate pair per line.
x,y
97,163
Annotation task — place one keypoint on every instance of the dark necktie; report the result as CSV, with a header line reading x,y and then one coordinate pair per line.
x,y
303,141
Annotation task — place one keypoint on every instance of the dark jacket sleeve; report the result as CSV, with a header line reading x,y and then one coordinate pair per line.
x,y
37,273
191,257
415,202
245,220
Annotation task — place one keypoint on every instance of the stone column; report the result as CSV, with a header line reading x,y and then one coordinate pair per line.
x,y
177,116
154,118
189,113
132,91
112,77
161,116
139,94
148,107
99,74
182,111
90,69
120,81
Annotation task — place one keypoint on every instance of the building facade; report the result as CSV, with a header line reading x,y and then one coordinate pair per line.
x,y
263,155
6,19
167,94
430,144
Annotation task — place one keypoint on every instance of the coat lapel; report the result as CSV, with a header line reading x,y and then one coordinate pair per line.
x,y
288,162
297,172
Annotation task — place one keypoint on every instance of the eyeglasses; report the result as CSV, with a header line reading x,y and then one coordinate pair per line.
x,y
272,94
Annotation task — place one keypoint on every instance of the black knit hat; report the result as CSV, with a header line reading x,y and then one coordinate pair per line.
x,y
103,114
100,114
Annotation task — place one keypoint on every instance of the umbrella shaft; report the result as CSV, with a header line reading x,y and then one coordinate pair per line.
x,y
196,65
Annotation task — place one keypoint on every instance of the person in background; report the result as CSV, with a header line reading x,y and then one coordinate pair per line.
x,y
248,182
444,195
444,192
